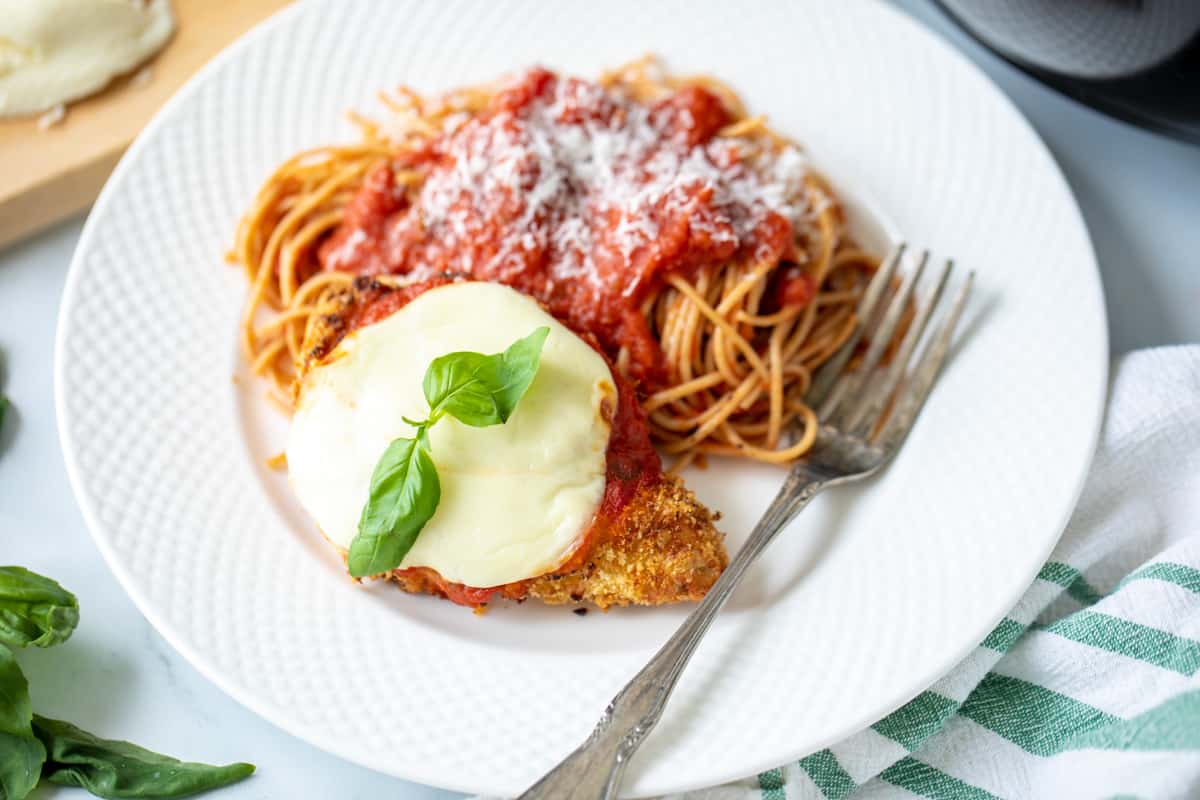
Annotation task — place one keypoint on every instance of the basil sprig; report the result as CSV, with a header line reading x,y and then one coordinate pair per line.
x,y
483,390
405,491
112,768
36,611
477,390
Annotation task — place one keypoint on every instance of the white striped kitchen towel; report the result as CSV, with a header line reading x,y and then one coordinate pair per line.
x,y
1089,688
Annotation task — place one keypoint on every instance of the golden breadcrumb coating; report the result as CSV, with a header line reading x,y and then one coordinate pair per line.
x,y
662,549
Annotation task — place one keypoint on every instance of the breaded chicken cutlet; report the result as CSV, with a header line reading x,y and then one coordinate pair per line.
x,y
660,547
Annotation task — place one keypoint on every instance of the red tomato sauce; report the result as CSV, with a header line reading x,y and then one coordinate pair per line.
x,y
575,195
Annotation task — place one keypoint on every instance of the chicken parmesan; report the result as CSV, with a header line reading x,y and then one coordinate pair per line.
x,y
567,502
691,268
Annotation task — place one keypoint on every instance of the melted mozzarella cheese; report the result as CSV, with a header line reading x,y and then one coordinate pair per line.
x,y
516,498
55,51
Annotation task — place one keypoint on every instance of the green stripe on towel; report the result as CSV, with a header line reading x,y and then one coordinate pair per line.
x,y
829,776
920,778
771,784
1004,635
917,720
1130,639
1070,579
1170,725
1032,717
1178,574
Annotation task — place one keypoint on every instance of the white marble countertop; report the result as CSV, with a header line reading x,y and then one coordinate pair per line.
x,y
1140,194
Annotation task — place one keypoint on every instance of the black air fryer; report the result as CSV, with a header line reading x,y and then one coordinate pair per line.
x,y
1135,59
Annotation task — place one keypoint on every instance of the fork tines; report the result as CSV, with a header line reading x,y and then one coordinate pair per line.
x,y
879,398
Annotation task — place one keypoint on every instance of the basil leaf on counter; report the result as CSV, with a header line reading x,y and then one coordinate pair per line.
x,y
37,611
112,768
481,390
34,610
21,754
404,493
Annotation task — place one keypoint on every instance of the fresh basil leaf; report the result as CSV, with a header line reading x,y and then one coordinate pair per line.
x,y
34,610
404,493
459,384
519,365
21,754
112,768
482,390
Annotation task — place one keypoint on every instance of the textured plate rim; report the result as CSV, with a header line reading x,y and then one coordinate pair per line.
x,y
247,697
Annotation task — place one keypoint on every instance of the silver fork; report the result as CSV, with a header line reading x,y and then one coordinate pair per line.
x,y
865,415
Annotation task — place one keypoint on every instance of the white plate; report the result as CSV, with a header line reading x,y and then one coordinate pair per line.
x,y
874,594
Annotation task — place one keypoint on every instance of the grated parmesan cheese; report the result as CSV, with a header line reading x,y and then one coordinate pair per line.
x,y
582,156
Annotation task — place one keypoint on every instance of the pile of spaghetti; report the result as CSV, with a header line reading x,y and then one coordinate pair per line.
x,y
688,241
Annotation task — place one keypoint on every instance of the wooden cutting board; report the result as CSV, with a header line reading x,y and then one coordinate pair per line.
x,y
48,175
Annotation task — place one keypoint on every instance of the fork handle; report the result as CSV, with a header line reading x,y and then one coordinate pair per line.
x,y
594,770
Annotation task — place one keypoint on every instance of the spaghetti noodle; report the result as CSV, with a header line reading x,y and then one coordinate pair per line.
x,y
721,333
